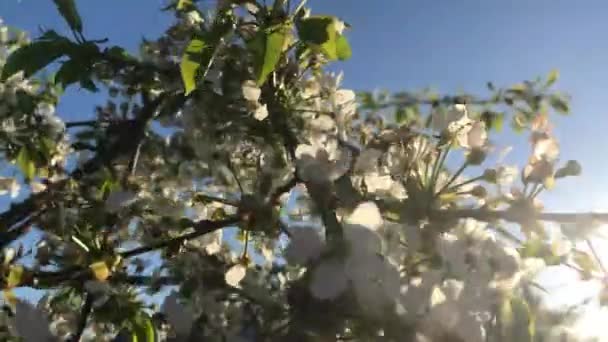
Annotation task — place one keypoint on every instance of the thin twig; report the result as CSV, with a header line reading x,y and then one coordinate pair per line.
x,y
201,228
597,257
84,316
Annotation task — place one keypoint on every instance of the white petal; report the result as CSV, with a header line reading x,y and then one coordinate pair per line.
x,y
261,112
366,215
306,150
251,92
323,123
119,199
235,274
344,96
546,148
437,297
328,280
477,135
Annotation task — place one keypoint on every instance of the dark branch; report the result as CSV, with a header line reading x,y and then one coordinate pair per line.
x,y
201,228
84,316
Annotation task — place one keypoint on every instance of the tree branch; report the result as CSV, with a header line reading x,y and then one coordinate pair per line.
x,y
201,228
84,316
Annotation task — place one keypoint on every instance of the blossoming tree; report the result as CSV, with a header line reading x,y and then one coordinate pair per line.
x,y
350,223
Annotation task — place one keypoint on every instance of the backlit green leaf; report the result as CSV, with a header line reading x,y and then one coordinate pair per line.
x,y
343,49
553,77
267,47
25,161
183,4
189,66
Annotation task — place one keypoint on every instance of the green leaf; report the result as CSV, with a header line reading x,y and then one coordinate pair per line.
x,y
267,47
559,104
35,56
523,322
316,29
493,120
89,85
343,49
552,78
144,330
70,72
189,68
321,32
25,161
516,321
68,10
585,262
183,4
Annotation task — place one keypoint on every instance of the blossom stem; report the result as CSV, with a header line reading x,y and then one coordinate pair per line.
x,y
539,188
453,178
472,180
597,257
438,165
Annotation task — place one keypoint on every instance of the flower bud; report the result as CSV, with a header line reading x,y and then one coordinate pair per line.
x,y
476,156
490,176
479,191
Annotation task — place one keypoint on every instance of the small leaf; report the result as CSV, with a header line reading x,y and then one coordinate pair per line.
x,y
183,4
321,32
100,270
493,120
559,104
70,72
343,49
523,322
553,77
69,12
515,320
10,297
15,276
143,330
89,85
268,46
189,67
585,262
35,56
26,163
572,168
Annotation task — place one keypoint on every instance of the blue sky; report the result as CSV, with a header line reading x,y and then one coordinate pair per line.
x,y
451,45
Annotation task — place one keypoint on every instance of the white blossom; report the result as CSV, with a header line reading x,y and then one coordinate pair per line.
x,y
235,274
454,118
472,136
505,175
251,92
261,112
